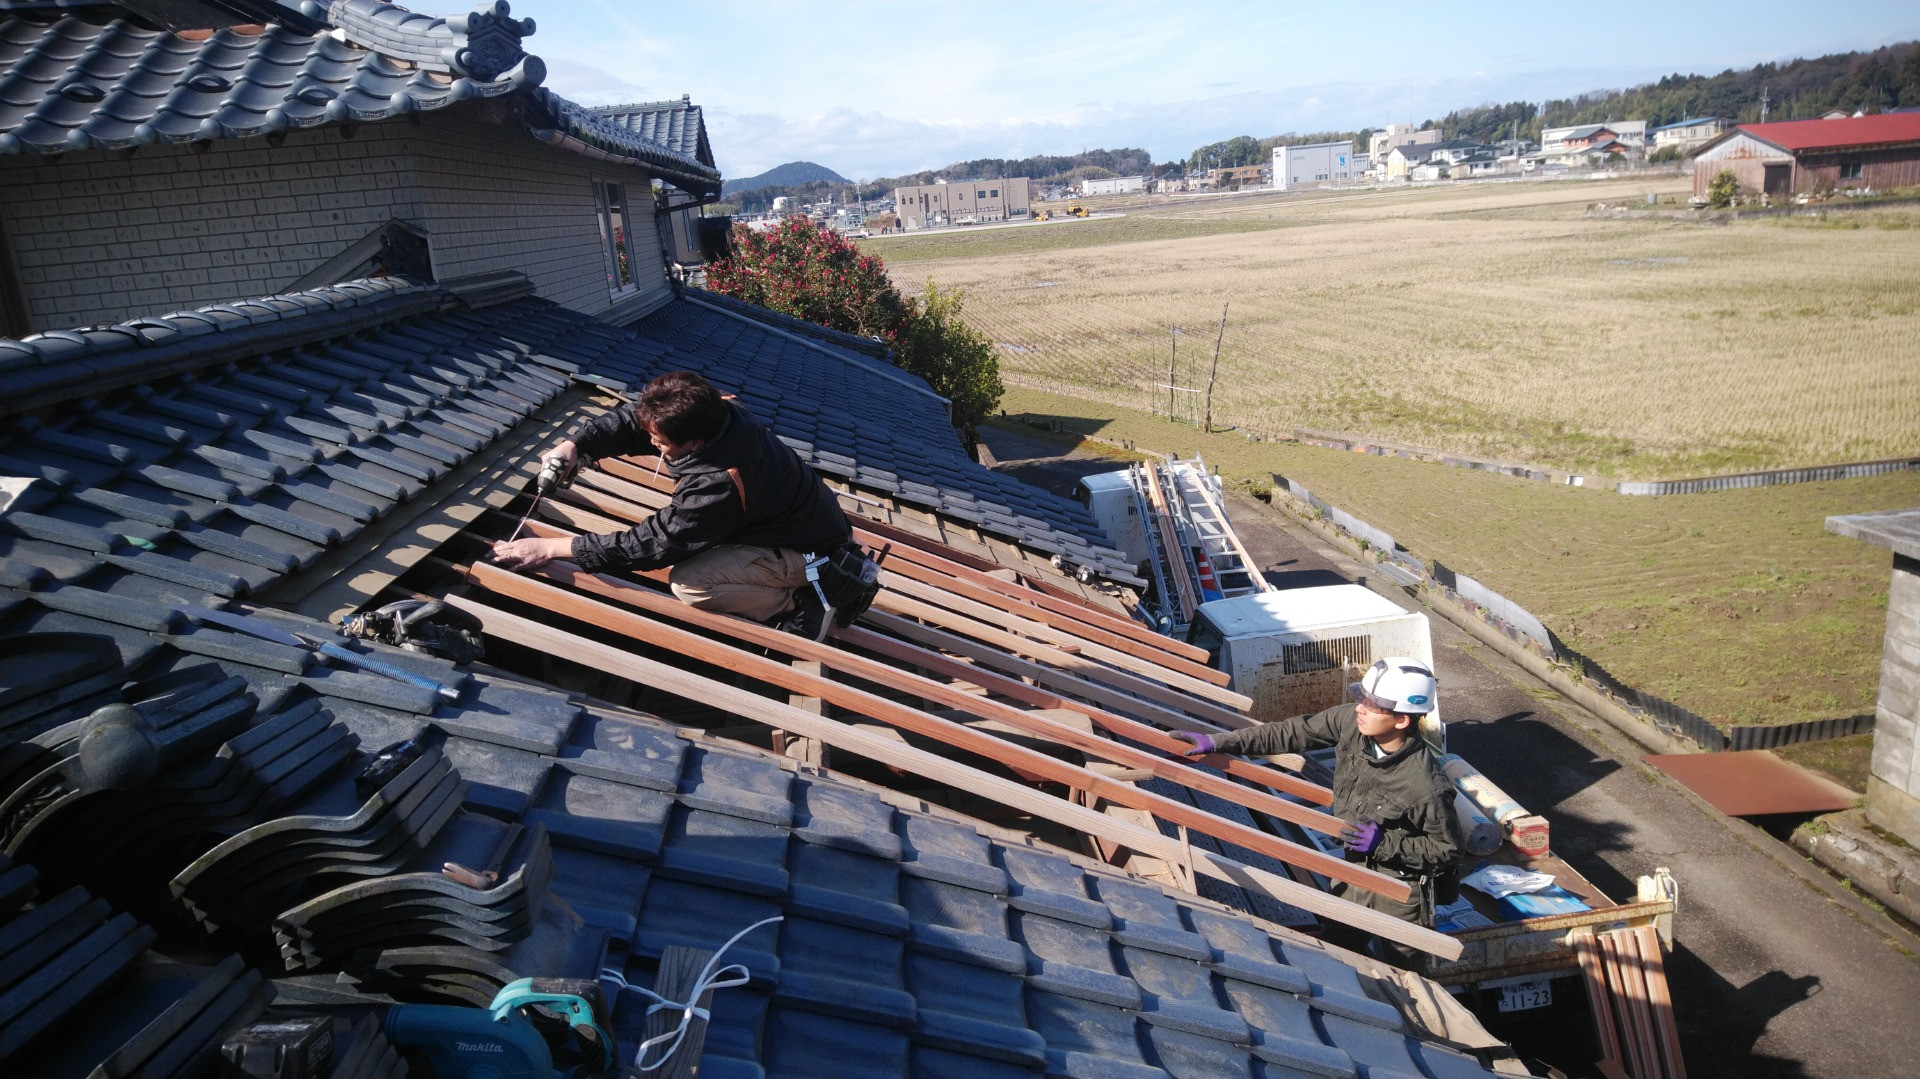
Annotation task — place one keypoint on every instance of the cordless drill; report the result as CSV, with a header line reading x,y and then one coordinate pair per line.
x,y
556,472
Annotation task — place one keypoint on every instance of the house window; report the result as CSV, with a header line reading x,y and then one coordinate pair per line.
x,y
980,194
995,193
615,235
1850,168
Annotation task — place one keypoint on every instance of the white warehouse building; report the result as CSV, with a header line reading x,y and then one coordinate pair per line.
x,y
1117,185
1312,163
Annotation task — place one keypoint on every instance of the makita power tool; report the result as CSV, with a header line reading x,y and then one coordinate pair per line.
x,y
536,1028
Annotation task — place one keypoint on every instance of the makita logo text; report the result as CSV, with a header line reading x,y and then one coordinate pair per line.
x,y
479,1047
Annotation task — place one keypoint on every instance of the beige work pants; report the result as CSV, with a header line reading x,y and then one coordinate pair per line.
x,y
752,582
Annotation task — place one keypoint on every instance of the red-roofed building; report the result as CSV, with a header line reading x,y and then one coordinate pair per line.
x,y
1795,156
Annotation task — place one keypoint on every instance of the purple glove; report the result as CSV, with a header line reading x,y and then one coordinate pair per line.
x,y
1362,835
1202,743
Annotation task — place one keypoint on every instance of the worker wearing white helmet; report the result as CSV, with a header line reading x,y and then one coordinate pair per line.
x,y
1387,786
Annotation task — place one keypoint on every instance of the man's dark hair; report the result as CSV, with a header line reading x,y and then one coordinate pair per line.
x,y
682,406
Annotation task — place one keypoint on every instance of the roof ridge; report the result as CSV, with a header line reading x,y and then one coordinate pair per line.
x,y
52,366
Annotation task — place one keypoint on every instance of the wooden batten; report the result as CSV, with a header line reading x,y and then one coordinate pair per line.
x,y
509,627
1039,698
1066,682
693,646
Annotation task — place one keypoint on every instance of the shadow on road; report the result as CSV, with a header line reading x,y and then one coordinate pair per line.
x,y
1720,1024
1521,752
1303,578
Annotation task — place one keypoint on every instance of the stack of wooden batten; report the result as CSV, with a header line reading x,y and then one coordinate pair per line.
x,y
947,631
1627,990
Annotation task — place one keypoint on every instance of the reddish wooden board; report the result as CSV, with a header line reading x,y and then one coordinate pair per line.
x,y
1753,783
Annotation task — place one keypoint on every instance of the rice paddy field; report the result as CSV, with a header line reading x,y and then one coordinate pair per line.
x,y
1508,321
1515,322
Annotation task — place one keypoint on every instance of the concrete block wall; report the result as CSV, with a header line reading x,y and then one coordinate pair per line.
x,y
99,238
1893,784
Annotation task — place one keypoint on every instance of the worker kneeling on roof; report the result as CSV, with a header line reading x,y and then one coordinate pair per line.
x,y
1386,783
746,513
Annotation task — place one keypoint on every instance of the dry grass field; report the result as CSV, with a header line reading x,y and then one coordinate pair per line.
x,y
1500,320
1738,605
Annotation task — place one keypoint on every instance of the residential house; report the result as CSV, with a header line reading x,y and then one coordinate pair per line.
x,y
1457,150
222,426
1792,157
681,127
294,154
1239,176
1686,134
1402,159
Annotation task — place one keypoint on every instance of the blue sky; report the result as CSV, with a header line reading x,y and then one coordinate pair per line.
x,y
878,89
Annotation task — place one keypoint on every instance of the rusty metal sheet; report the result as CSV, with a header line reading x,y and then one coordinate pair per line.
x,y
1752,783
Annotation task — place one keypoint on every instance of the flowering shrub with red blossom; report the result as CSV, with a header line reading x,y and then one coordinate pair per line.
x,y
805,269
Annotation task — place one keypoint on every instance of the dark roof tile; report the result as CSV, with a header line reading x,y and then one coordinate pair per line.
x,y
725,851
746,786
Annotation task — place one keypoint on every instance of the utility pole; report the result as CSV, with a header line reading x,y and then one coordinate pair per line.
x,y
1172,355
1216,364
1763,104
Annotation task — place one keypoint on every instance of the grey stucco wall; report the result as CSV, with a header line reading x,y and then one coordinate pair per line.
x,y
98,237
1893,795
492,198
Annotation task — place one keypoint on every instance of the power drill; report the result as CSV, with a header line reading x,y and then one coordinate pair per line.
x,y
555,473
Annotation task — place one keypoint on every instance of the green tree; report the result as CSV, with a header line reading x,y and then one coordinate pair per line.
x,y
957,360
805,269
1721,189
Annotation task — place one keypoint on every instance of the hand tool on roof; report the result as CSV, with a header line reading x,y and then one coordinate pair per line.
x,y
516,1037
420,624
555,474
267,631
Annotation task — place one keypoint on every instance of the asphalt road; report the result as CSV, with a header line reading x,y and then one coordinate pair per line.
x,y
1776,970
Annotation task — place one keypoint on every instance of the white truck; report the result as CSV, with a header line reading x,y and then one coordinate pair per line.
x,y
1293,651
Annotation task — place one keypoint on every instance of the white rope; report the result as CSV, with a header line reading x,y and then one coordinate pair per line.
x,y
709,979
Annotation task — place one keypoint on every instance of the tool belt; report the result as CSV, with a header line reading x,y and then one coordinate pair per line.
x,y
846,580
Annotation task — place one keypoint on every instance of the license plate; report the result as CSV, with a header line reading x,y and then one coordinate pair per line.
x,y
1526,995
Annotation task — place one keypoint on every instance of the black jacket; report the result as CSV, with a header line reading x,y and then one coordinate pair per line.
x,y
1405,791
786,504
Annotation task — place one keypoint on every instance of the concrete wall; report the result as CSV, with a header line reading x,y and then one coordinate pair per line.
x,y
98,238
1893,782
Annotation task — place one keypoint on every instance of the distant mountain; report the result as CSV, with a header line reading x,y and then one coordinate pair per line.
x,y
791,174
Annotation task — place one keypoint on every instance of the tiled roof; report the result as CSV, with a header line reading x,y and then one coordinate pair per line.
x,y
677,125
585,130
913,941
1836,134
89,80
851,417
220,481
84,81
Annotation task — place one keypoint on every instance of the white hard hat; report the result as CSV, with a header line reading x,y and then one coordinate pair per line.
x,y
1397,684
